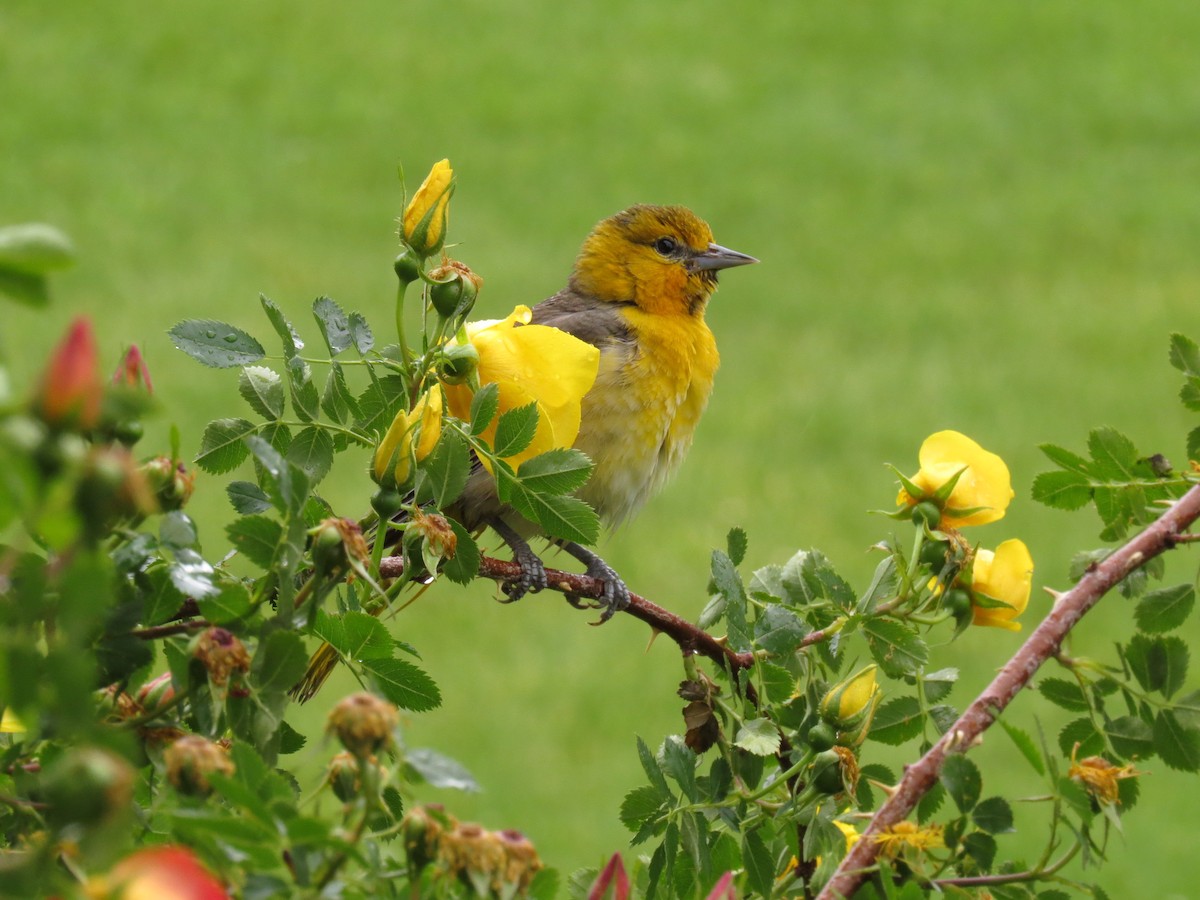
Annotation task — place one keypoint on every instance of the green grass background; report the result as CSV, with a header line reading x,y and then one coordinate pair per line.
x,y
972,215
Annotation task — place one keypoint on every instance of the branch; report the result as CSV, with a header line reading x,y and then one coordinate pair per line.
x,y
1163,534
689,638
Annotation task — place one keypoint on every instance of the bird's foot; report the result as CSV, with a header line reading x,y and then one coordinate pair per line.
x,y
531,580
615,594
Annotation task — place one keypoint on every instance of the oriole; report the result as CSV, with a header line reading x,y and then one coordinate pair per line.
x,y
638,292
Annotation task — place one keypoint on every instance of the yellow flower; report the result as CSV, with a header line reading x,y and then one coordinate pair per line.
x,y
1099,777
849,831
849,702
908,834
530,364
424,224
10,724
1005,575
983,490
396,453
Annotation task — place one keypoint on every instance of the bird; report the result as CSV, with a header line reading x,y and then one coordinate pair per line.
x,y
638,292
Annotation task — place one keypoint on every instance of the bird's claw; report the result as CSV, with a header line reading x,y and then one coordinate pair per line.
x,y
532,579
615,596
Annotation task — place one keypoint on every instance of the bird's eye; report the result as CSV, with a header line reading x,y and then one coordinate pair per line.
x,y
665,245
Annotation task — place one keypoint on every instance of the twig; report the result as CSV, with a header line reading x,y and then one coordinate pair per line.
x,y
1043,643
689,638
170,629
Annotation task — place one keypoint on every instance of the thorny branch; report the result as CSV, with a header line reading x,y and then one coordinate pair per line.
x,y
1163,534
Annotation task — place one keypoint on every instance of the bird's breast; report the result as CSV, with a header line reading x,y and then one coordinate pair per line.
x,y
639,417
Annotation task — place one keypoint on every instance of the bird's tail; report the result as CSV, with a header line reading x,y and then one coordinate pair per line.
x,y
320,666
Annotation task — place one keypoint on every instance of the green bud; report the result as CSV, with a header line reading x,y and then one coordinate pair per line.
x,y
87,786
825,774
407,266
933,554
927,513
386,503
458,363
453,288
822,736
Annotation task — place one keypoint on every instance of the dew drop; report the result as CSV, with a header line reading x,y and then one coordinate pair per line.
x,y
210,334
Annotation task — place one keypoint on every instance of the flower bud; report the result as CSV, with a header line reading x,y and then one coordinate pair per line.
x,y
521,860
453,289
850,701
410,438
407,266
191,759
132,372
71,392
458,363
363,723
87,786
111,490
422,830
162,871
423,227
170,482
156,692
338,541
221,654
343,778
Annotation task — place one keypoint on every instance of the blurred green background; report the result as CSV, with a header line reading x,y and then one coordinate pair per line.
x,y
971,215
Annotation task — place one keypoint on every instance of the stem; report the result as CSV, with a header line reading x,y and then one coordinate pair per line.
x,y
1043,643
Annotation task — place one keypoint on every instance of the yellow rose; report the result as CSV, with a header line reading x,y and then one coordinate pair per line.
x,y
983,490
848,703
530,364
424,224
1005,575
396,453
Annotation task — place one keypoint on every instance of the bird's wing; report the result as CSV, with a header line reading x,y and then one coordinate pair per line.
x,y
597,322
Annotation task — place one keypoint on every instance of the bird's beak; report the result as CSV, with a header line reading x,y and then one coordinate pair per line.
x,y
718,257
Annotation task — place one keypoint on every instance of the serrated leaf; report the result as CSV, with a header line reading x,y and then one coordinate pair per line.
x,y
759,864
980,847
1176,744
993,815
1066,694
447,468
222,447
336,400
463,567
161,598
1189,393
312,451
1081,738
897,720
1062,490
230,603
379,403
279,662
1027,747
1158,663
939,684
404,684
778,630
290,341
355,635
758,736
1165,609
1114,454
192,574
305,400
1065,459
441,771
216,344
1193,443
515,430
360,333
736,543
256,538
1184,354
896,647
680,764
176,529
726,582
778,683
262,388
484,406
943,717
1130,737
962,781
652,769
557,471
567,518
334,325
640,806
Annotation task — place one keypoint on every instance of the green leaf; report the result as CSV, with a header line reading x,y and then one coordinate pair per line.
x,y
463,567
360,333
980,847
1158,663
1193,443
778,630
404,684
287,334
642,805
758,736
1165,609
1115,455
1130,737
1062,490
680,764
256,538
736,543
305,400
336,400
176,529
993,815
568,518
1177,743
778,683
897,720
356,635
221,446
161,598
262,388
759,863
930,803
379,403
652,769
939,684
192,574
1065,459
1189,393
1184,354
312,451
279,662
447,468
1081,732
34,248
558,471
216,344
1066,694
32,290
484,406
230,603
962,781
334,325
441,771
516,429
896,647
1026,745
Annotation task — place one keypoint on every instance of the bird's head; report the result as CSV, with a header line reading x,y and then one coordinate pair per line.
x,y
661,258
